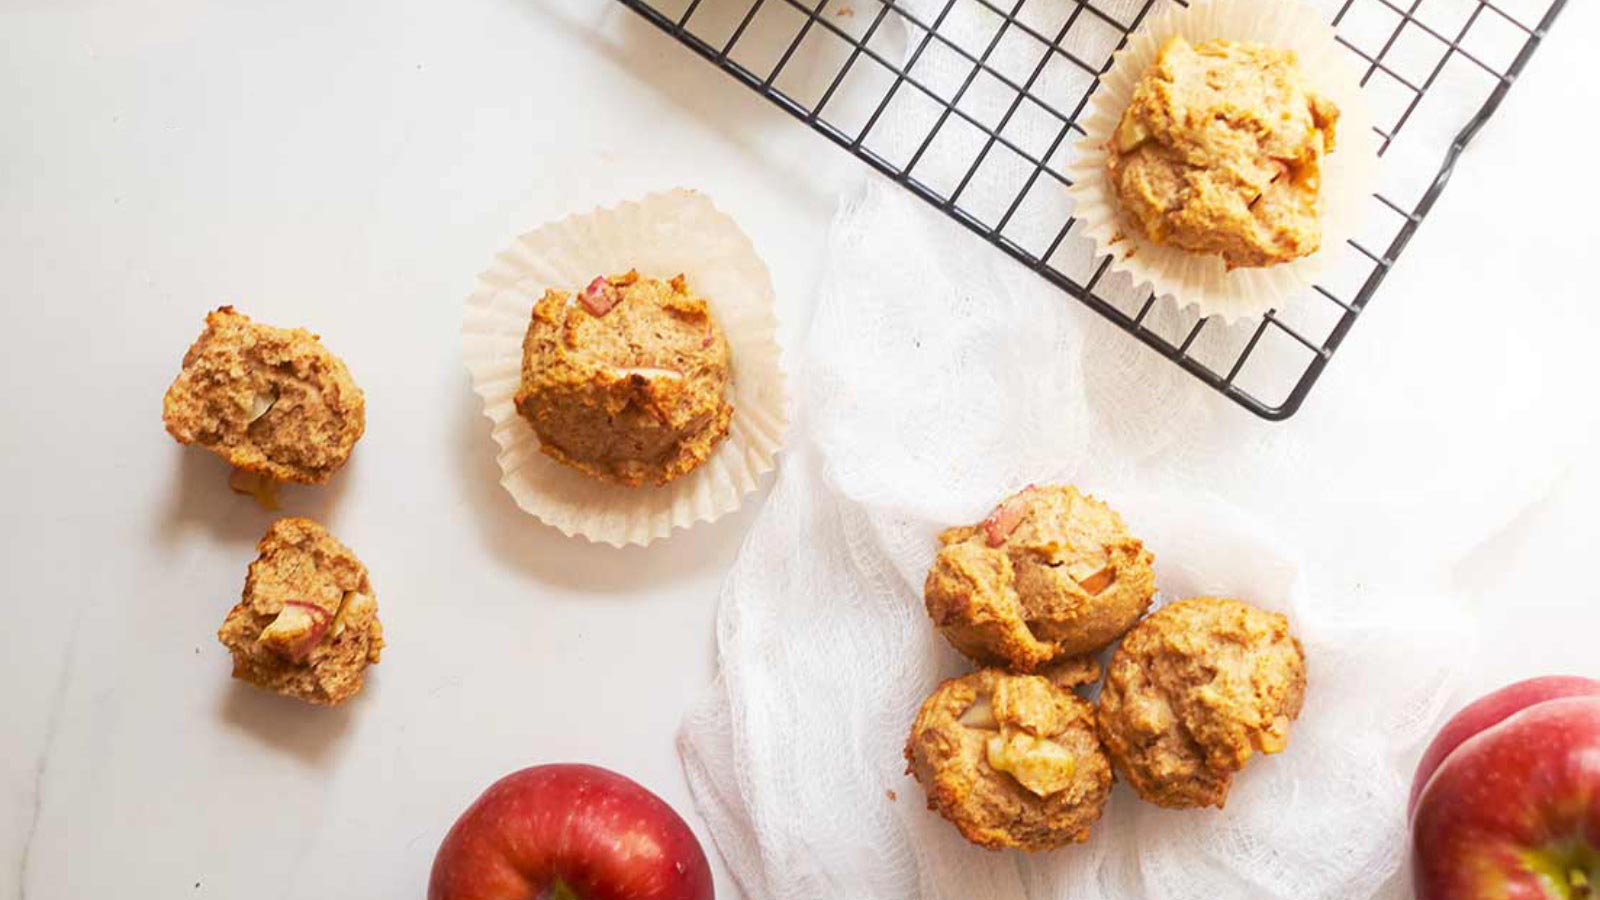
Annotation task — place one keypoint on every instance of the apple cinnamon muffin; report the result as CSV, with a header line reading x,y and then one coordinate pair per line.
x,y
1011,760
307,625
1193,692
627,380
273,402
1050,573
1220,152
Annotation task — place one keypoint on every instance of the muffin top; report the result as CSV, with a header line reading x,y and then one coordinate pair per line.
x,y
1193,692
1011,760
1050,573
1220,152
307,625
627,380
271,401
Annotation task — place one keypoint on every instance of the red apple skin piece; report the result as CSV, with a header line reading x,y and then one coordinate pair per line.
x,y
321,621
1491,710
569,831
1497,807
600,296
1006,517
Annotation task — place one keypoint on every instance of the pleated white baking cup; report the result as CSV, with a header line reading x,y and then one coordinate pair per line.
x,y
661,235
1349,173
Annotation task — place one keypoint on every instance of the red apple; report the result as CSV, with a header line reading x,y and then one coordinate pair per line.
x,y
1507,798
569,832
1490,710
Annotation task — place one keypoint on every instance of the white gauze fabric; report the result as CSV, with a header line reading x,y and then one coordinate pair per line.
x,y
937,377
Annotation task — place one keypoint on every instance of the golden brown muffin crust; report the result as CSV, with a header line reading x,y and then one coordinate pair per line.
x,y
1010,760
1220,152
307,625
271,401
626,381
1051,573
1193,692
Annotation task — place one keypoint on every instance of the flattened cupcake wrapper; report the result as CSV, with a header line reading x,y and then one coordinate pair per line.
x,y
661,235
1349,173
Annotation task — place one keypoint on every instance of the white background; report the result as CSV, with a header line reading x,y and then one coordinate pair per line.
x,y
350,167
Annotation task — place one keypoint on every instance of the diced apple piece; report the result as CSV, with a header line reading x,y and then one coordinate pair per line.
x,y
1129,135
650,374
297,630
1091,577
260,405
600,296
1006,517
981,714
1039,764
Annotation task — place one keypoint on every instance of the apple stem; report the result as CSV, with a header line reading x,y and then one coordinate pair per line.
x,y
560,891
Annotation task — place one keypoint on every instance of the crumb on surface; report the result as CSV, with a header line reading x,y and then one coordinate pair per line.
x,y
307,625
273,402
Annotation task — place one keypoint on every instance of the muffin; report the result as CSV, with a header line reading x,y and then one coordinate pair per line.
x,y
1220,152
1010,760
627,381
273,402
1050,573
1196,690
307,625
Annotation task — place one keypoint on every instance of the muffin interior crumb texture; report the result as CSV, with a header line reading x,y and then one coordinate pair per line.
x,y
1010,760
271,401
627,379
1221,151
307,625
1194,692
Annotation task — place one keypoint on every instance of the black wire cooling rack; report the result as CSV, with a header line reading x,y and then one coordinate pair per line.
x,y
972,105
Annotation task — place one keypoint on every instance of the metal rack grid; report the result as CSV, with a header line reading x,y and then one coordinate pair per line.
x,y
966,101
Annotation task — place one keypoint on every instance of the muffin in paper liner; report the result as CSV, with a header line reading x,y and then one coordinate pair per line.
x,y
1348,173
661,236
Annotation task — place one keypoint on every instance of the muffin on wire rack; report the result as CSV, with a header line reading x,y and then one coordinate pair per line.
x,y
1227,155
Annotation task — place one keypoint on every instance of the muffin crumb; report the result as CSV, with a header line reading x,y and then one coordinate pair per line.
x,y
307,625
273,402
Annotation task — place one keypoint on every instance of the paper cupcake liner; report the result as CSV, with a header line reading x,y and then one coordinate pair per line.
x,y
1348,176
661,236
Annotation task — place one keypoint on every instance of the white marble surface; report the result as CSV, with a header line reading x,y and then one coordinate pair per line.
x,y
352,166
